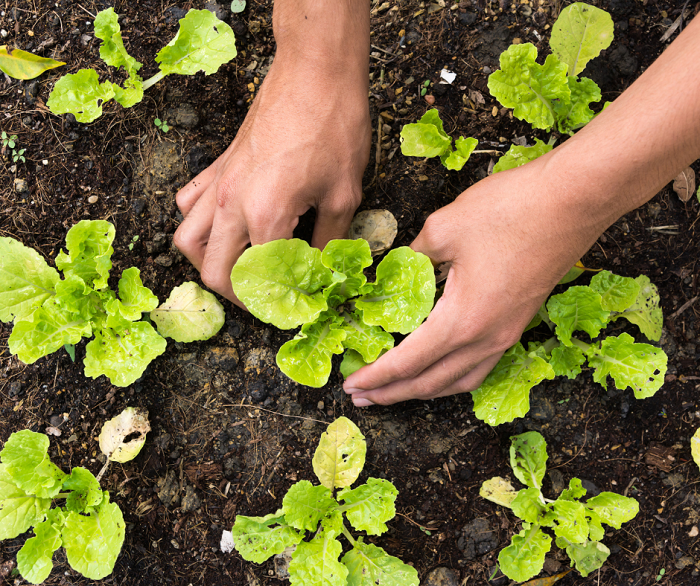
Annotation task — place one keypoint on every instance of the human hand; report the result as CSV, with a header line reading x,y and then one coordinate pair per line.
x,y
304,143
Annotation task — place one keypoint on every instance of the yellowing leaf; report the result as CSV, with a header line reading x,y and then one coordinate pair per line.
x,y
116,430
695,446
548,581
498,490
22,65
340,455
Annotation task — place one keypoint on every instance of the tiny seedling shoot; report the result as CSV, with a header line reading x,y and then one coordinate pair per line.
x,y
288,284
578,526
161,125
313,517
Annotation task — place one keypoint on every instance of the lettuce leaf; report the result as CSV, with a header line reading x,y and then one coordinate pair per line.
x,y
567,361
369,341
574,112
369,565
571,520
617,293
80,94
340,455
455,160
18,510
112,50
189,314
347,257
89,257
86,492
645,312
316,562
352,362
528,505
587,557
578,308
613,509
528,458
134,298
517,156
524,557
370,505
34,560
305,505
259,538
425,138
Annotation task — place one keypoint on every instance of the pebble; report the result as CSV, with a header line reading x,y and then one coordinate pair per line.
x,y
21,186
164,260
93,199
138,206
430,99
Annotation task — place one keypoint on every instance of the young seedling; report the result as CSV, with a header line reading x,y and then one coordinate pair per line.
x,y
319,510
7,140
50,312
203,43
505,394
578,526
11,143
87,526
161,124
288,284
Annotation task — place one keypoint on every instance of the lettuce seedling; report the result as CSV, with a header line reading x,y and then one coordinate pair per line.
x,y
578,526
338,461
50,312
505,394
288,284
203,43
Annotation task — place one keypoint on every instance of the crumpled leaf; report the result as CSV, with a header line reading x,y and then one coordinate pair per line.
x,y
617,293
641,367
26,462
517,156
292,275
567,361
26,281
369,565
425,138
645,312
574,112
505,393
455,160
93,542
403,294
130,421
571,520
527,505
370,505
20,64
34,560
340,455
579,34
89,257
527,87
528,458
189,314
134,298
613,509
80,94
498,490
587,557
369,341
85,490
524,557
202,43
112,50
575,491
18,510
377,227
578,308
352,362
316,561
259,538
305,505
684,184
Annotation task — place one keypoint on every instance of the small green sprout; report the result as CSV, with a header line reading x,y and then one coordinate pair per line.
x,y
162,124
662,571
18,155
135,239
8,141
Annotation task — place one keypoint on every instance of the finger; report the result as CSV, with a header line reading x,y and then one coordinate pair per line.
x,y
269,222
190,194
192,235
473,379
333,217
433,240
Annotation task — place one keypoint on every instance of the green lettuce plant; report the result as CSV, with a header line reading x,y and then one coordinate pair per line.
x,y
288,284
203,43
337,463
577,526
505,394
546,96
50,312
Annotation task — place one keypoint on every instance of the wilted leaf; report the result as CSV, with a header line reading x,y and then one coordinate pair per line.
x,y
684,184
548,581
378,227
115,431
22,65
695,446
498,490
340,455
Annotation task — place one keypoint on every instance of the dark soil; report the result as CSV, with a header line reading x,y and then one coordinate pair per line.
x,y
230,433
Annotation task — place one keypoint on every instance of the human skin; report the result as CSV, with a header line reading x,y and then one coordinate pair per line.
x,y
304,143
511,237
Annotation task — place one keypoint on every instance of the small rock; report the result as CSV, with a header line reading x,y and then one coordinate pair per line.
x,y
591,489
258,392
684,562
56,420
467,18
674,480
93,199
190,502
164,260
158,244
551,566
169,489
174,14
223,358
525,10
197,160
15,389
282,561
21,186
217,10
138,205
442,577
557,480
259,360
415,36
438,444
430,99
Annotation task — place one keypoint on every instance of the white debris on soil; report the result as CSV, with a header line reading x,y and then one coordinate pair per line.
x,y
226,542
447,75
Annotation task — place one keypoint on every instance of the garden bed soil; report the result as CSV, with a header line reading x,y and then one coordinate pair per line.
x,y
230,433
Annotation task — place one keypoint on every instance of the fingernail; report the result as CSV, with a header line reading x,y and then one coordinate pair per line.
x,y
362,402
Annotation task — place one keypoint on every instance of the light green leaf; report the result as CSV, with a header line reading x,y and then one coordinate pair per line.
x,y
527,87
641,367
80,94
571,520
112,50
352,362
132,422
34,560
348,257
370,505
578,308
369,565
19,64
695,446
340,455
316,562
189,314
464,147
613,509
26,281
304,505
498,490
203,43
580,33
89,244
645,312
517,155
123,354
524,557
134,298
403,294
528,458
259,538
567,361
76,298
237,6
573,273
369,341
426,138
280,282
617,293
18,510
505,394
131,93
595,526
587,557
528,505
26,462
93,542
575,491
85,489
307,358
574,112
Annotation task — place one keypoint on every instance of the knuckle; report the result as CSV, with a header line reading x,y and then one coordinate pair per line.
x,y
213,280
342,206
225,193
183,239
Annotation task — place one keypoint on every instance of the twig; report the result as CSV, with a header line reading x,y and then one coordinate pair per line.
x,y
685,306
86,10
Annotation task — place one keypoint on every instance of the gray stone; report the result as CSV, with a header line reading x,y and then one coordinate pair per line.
x,y
166,163
138,206
15,389
591,489
158,244
164,260
673,480
217,10
557,480
190,502
684,562
21,186
441,577
477,538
